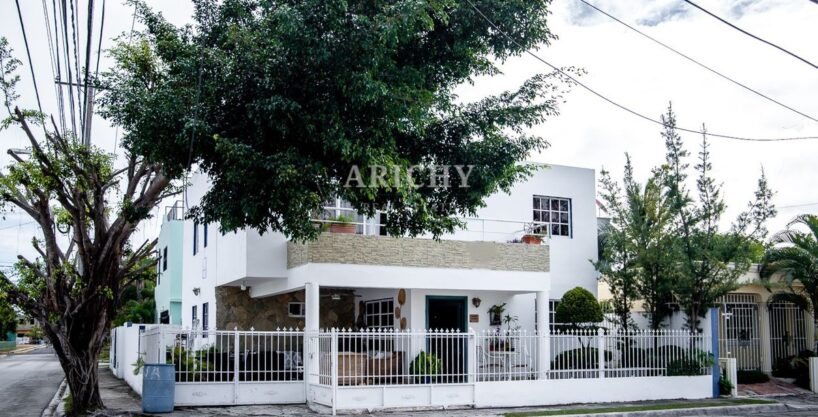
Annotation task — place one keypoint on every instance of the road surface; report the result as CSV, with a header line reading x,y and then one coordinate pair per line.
x,y
28,382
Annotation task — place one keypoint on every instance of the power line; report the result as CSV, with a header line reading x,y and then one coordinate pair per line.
x,y
622,107
799,205
99,47
751,35
28,53
698,63
68,66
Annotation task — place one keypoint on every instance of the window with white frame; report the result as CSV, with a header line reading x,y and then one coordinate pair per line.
x,y
336,207
552,215
379,313
296,309
552,314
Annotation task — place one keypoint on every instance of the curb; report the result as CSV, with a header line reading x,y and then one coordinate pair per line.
x,y
698,411
51,409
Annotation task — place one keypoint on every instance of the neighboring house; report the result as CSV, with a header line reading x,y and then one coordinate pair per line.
x,y
754,327
168,290
246,280
24,326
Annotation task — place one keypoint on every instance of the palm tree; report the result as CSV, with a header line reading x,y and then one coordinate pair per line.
x,y
794,257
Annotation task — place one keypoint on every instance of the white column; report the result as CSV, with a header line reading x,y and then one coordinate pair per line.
x,y
312,301
544,335
764,334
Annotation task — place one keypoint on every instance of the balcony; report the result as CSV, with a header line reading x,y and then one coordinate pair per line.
x,y
359,249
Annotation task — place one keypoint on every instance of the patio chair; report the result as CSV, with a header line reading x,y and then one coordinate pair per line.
x,y
521,364
489,367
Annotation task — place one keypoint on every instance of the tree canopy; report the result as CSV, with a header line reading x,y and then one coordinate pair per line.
x,y
278,101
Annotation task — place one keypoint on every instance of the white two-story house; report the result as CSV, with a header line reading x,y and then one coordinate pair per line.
x,y
356,277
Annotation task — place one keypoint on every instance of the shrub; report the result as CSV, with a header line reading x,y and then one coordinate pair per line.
x,y
578,306
725,386
582,358
795,367
752,377
425,364
691,365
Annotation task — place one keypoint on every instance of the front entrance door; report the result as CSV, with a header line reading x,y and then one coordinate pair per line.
x,y
446,318
787,331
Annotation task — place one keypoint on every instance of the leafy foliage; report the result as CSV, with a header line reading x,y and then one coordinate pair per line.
x,y
278,101
578,308
794,259
710,261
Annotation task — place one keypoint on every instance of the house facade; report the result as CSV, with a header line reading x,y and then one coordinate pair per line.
x,y
363,279
169,247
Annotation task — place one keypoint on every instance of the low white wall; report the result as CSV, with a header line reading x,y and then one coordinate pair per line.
x,y
124,361
571,391
243,393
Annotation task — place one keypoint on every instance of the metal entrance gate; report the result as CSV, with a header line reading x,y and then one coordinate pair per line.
x,y
788,334
739,335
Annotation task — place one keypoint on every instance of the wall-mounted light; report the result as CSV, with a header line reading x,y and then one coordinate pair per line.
x,y
476,302
196,291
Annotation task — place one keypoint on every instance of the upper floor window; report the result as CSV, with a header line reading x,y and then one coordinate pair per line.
x,y
380,313
554,214
195,238
205,235
165,259
193,319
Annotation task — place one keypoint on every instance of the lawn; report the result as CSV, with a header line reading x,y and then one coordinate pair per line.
x,y
647,407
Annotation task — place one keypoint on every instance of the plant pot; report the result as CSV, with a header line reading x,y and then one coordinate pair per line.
x,y
342,228
532,240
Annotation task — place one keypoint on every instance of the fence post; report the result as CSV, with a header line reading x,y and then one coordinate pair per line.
x,y
334,368
601,351
714,343
236,346
162,346
471,359
813,374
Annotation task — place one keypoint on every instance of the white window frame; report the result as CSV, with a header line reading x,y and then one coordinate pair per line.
x,y
382,315
290,306
563,214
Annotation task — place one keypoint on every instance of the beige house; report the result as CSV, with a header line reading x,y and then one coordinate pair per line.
x,y
753,327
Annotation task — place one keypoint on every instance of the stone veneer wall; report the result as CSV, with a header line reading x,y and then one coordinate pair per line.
x,y
379,250
235,308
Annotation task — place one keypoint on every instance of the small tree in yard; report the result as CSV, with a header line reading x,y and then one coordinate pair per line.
x,y
709,261
87,211
637,260
578,309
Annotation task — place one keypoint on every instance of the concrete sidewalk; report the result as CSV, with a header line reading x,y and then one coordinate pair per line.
x,y
122,401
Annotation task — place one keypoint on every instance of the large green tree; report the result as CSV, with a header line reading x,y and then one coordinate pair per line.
x,y
279,101
794,259
638,261
87,209
709,260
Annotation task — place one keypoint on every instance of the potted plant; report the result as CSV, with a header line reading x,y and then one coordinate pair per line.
x,y
496,314
342,224
424,367
532,236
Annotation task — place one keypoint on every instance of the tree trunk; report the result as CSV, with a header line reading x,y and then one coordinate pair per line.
x,y
77,342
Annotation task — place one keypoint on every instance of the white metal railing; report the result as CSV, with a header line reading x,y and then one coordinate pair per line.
x,y
390,357
475,229
222,356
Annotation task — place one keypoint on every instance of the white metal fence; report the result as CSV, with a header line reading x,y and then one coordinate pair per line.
x,y
226,356
388,357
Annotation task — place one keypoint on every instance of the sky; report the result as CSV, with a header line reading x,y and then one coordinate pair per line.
x,y
589,132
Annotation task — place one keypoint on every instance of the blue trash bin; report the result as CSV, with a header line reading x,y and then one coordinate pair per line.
x,y
158,386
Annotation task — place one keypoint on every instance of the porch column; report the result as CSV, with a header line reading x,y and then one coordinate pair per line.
x,y
544,335
764,335
312,301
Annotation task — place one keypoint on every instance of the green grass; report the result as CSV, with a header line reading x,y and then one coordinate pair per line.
x,y
632,408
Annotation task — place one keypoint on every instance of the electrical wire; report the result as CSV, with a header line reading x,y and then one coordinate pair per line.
x,y
28,53
75,40
792,54
68,67
622,107
99,47
89,38
58,78
697,62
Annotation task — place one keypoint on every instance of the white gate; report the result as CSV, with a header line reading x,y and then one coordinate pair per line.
x,y
787,331
739,335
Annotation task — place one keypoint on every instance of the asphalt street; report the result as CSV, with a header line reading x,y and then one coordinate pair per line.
x,y
28,382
